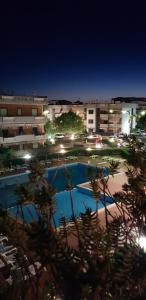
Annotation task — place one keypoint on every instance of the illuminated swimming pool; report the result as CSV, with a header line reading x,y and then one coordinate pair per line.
x,y
62,202
58,177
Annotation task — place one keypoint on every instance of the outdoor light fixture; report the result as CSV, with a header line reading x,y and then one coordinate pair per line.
x,y
52,141
142,242
98,146
27,156
72,137
111,140
62,151
111,111
118,144
45,112
61,146
90,136
124,112
89,149
142,112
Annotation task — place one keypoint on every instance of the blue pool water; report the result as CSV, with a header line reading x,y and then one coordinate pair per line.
x,y
76,173
58,177
81,201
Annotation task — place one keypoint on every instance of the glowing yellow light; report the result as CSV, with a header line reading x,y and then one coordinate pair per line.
x,y
62,151
90,136
142,242
111,140
72,137
124,112
89,149
45,112
61,146
27,156
111,111
52,141
98,146
142,113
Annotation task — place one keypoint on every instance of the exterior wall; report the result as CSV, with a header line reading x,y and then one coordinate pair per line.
x,y
106,117
91,119
128,117
57,110
26,110
16,129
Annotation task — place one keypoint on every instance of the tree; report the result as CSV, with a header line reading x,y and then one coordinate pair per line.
x,y
50,128
69,123
141,122
6,155
105,262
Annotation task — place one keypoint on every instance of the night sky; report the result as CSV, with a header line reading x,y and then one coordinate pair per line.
x,y
73,49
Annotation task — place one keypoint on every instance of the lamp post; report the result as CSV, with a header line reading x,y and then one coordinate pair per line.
x,y
27,157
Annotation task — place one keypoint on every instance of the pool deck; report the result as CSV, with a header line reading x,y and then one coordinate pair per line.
x,y
114,184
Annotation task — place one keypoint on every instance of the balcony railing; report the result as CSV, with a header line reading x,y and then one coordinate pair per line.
x,y
23,100
22,120
23,138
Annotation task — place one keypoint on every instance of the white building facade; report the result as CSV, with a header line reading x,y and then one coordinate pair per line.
x,y
100,117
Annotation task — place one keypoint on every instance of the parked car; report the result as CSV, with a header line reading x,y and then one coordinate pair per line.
x,y
59,136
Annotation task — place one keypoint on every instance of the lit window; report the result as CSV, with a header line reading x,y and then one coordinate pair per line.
x,y
19,111
34,112
3,112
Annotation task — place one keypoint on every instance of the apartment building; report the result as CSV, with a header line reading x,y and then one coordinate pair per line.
x,y
140,101
100,117
57,108
111,118
22,121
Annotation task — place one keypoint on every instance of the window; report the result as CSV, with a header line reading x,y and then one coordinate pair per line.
x,y
20,130
34,112
19,111
90,111
90,121
35,130
3,112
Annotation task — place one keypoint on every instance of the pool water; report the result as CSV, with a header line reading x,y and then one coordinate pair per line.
x,y
62,206
58,177
76,173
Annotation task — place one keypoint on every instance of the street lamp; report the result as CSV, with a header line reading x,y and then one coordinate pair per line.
x,y
62,151
142,242
142,112
27,156
89,149
45,112
72,137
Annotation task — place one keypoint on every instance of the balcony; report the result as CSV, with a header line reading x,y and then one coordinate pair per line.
x,y
30,138
22,120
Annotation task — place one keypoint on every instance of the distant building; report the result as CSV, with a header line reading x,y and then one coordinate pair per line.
x,y
57,108
22,121
101,117
140,101
110,118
